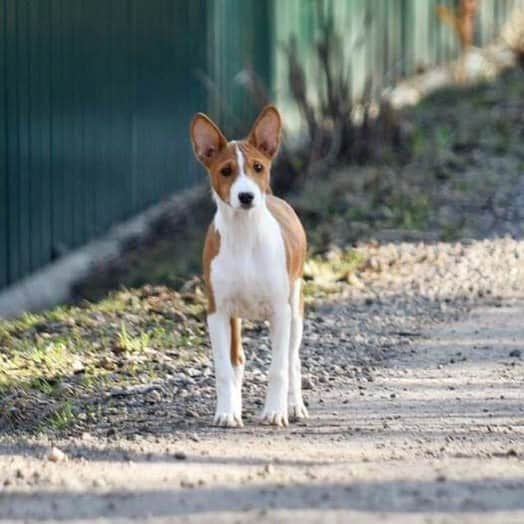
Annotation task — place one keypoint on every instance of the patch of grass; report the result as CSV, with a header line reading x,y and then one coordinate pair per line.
x,y
463,185
44,385
450,233
35,364
443,138
419,142
74,353
133,344
61,419
411,212
325,274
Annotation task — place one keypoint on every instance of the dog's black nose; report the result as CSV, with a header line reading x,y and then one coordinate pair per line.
x,y
246,198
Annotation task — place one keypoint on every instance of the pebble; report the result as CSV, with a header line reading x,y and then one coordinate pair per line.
x,y
307,383
56,455
269,469
154,396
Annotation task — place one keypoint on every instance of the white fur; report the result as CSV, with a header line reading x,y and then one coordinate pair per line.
x,y
249,276
275,410
297,409
243,184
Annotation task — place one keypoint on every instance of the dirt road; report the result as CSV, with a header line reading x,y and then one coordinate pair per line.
x,y
437,436
416,400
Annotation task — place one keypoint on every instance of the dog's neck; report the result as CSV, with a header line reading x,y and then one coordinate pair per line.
x,y
241,225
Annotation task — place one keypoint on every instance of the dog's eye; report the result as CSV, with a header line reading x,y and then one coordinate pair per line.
x,y
226,171
258,167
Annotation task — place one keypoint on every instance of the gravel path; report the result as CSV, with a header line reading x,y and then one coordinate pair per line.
x,y
413,419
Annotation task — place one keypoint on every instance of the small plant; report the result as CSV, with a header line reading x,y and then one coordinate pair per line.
x,y
62,418
324,274
132,344
340,128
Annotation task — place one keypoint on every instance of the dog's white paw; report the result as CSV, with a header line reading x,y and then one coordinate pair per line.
x,y
274,418
228,420
298,412
228,412
275,408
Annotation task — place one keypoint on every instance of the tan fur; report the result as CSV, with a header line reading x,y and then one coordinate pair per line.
x,y
211,249
237,353
292,233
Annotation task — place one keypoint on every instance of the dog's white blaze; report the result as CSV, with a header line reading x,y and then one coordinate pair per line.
x,y
243,184
240,160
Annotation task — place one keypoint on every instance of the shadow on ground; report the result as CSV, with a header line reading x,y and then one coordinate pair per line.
x,y
400,496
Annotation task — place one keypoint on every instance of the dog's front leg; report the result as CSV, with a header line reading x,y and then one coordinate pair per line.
x,y
228,412
275,409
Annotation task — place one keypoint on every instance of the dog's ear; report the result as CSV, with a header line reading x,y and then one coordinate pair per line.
x,y
265,134
207,138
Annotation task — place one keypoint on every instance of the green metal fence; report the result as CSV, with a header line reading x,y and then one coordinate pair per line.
x,y
96,96
241,35
95,102
383,40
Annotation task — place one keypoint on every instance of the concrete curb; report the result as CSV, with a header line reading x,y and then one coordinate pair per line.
x,y
477,65
52,284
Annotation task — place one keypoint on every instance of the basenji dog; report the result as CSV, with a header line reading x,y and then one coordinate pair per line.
x,y
253,261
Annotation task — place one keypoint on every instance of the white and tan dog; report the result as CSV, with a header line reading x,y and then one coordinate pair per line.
x,y
253,261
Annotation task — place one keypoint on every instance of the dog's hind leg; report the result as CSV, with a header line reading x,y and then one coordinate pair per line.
x,y
297,408
237,356
275,408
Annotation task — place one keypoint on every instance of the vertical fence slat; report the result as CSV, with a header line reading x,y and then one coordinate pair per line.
x,y
24,115
33,139
78,186
13,157
42,127
4,168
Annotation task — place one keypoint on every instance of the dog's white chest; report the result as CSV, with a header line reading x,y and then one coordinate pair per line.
x,y
249,275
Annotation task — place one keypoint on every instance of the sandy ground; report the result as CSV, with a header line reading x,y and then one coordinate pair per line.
x,y
436,437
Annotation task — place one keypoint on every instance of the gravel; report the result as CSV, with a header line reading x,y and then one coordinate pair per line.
x,y
403,290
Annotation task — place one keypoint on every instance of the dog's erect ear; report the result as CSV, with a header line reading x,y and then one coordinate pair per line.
x,y
207,138
265,134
